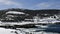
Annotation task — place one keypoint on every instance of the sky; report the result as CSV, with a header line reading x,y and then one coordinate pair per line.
x,y
30,4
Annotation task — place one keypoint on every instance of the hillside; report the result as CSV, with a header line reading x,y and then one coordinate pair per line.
x,y
48,11
31,12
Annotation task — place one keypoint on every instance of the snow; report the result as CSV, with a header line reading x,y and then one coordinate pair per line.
x,y
6,31
23,31
14,12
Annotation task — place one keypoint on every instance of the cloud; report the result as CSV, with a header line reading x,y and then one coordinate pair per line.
x,y
48,5
43,5
9,2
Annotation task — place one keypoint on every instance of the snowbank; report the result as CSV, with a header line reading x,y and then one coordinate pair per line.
x,y
6,31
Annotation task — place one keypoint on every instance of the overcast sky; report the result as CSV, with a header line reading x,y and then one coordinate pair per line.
x,y
30,4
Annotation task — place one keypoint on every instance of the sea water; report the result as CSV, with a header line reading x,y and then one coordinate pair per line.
x,y
51,29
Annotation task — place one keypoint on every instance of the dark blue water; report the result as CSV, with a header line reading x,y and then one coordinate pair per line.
x,y
52,28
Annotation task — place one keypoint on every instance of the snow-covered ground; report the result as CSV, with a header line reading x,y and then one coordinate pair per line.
x,y
23,31
6,31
